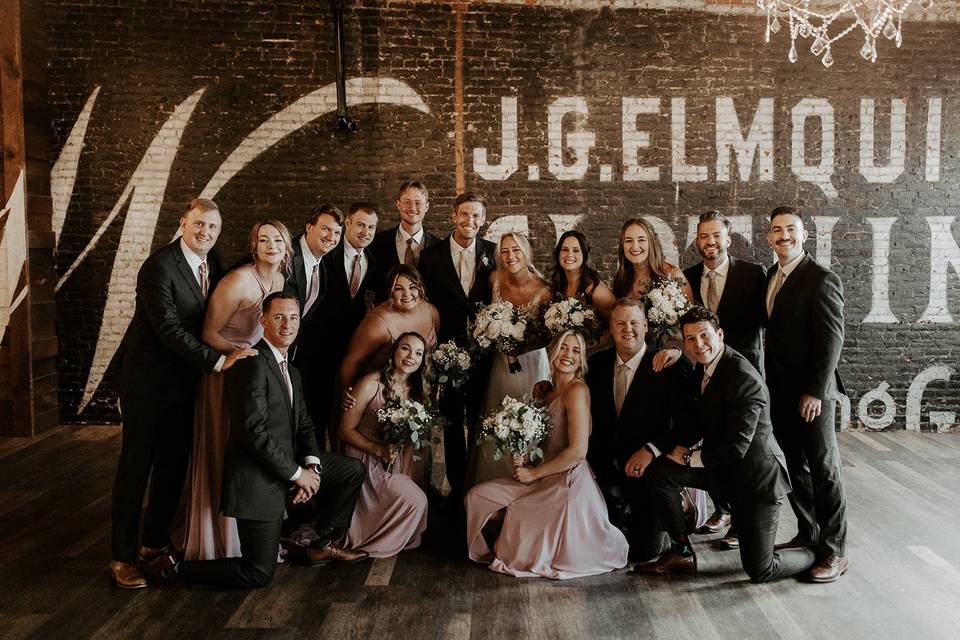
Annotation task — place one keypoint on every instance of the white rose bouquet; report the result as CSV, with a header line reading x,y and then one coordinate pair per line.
x,y
450,365
406,423
515,427
503,326
665,304
571,314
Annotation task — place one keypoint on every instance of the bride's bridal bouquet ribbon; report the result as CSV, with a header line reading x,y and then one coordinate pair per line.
x,y
517,427
450,366
406,423
665,304
503,326
571,314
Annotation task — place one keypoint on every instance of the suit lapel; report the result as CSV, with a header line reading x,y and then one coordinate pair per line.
x,y
187,272
298,273
729,286
449,271
696,275
790,283
267,353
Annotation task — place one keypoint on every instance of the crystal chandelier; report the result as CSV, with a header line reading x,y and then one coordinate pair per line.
x,y
872,17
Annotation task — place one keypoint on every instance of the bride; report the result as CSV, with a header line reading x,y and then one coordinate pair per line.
x,y
517,281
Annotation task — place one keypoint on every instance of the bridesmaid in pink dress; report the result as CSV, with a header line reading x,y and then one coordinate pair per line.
x,y
232,322
555,522
391,513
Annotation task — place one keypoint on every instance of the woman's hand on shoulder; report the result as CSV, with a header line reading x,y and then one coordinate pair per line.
x,y
542,389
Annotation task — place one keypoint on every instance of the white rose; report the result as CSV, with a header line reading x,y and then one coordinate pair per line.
x,y
577,317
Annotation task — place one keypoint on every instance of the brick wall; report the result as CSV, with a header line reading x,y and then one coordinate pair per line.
x,y
160,103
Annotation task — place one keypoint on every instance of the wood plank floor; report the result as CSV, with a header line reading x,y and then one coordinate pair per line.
x,y
903,492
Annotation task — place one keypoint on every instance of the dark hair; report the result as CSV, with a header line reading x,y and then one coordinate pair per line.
x,y
417,382
325,208
203,204
414,184
276,295
623,281
558,277
713,214
254,238
470,196
786,210
362,206
699,314
408,272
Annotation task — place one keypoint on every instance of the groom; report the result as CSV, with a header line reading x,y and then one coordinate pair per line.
x,y
456,275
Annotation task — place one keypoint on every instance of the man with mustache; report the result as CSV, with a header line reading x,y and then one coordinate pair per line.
x,y
804,304
161,359
733,289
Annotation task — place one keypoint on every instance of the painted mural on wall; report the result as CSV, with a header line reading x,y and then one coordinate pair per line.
x,y
552,160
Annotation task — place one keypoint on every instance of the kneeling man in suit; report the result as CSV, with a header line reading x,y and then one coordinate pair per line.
x,y
739,460
273,451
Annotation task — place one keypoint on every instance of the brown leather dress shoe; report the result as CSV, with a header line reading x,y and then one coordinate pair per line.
x,y
796,542
716,523
829,569
670,563
731,540
332,553
126,575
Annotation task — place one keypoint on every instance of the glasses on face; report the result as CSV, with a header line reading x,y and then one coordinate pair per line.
x,y
411,204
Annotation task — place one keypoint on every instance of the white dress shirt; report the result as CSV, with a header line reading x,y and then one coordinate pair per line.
x,y
718,282
469,256
307,461
400,240
786,269
309,260
348,253
195,261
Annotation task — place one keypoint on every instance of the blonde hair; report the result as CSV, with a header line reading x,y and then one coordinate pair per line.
x,y
525,249
554,352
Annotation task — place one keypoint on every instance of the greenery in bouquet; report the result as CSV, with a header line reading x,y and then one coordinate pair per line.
x,y
502,326
665,304
406,423
571,314
450,365
517,427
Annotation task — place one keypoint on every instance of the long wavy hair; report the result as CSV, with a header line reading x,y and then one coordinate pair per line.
x,y
623,281
408,272
285,264
589,277
554,352
417,382
524,245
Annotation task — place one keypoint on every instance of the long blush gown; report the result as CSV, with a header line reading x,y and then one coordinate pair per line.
x,y
556,527
391,513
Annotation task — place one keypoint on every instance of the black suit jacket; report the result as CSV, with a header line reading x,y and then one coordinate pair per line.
x,y
740,454
805,334
162,351
440,279
657,407
742,309
384,249
297,285
269,437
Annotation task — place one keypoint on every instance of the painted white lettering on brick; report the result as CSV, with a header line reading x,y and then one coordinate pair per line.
x,y
508,147
758,143
942,419
944,253
634,140
578,140
682,172
824,234
821,172
898,141
932,157
880,284
886,417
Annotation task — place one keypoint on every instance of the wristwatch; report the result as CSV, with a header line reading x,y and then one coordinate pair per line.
x,y
687,456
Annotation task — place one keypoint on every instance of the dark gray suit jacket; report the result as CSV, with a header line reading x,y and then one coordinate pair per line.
x,y
384,249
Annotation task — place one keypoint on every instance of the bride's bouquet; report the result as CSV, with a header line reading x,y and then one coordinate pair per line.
x,y
571,314
406,423
503,326
450,365
666,303
515,427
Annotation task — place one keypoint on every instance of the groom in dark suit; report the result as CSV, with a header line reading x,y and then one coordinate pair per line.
x,y
739,460
405,242
733,289
308,278
804,339
273,451
636,413
162,357
456,275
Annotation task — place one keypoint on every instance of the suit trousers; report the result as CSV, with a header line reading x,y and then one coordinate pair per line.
x,y
816,474
757,522
259,543
646,540
157,439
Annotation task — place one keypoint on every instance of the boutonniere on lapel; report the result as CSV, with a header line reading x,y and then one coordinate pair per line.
x,y
485,261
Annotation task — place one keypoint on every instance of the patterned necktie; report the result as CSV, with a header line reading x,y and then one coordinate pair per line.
x,y
314,287
286,378
464,272
777,283
712,298
204,282
620,387
410,256
355,276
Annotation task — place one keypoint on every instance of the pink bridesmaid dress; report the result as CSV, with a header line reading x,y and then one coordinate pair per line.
x,y
391,513
210,534
556,527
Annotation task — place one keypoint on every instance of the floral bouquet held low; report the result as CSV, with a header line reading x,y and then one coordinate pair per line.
x,y
665,304
450,366
503,326
572,315
516,427
406,423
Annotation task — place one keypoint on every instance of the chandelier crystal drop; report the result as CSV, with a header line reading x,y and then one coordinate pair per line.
x,y
872,17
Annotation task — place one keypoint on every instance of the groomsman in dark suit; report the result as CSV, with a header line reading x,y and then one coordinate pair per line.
x,y
804,338
405,242
273,452
162,358
349,293
738,460
734,290
636,413
456,275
